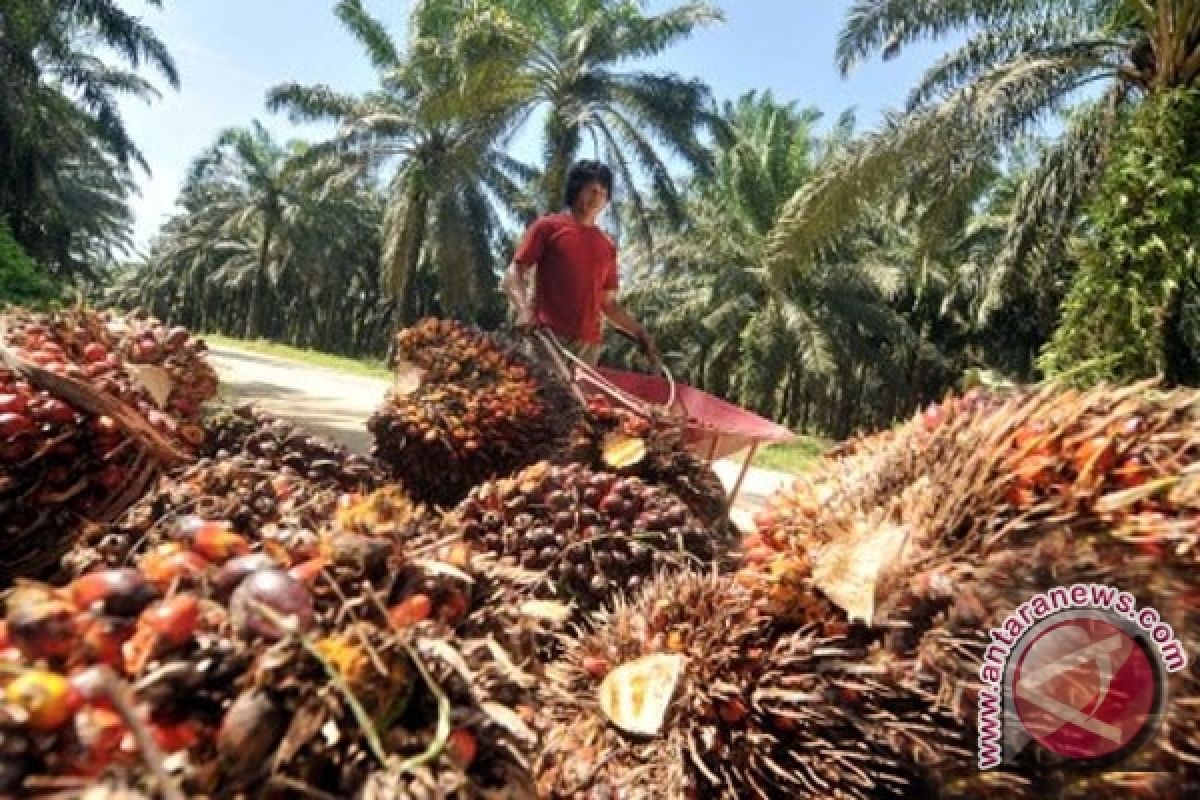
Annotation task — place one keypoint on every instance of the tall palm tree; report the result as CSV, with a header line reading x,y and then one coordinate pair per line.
x,y
1022,61
442,128
253,210
64,168
574,62
768,345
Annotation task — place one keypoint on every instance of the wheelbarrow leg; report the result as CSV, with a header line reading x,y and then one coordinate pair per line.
x,y
737,485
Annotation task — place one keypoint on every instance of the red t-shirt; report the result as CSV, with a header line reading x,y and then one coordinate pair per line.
x,y
576,265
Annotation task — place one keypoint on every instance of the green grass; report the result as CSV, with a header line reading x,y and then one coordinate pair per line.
x,y
371,367
792,457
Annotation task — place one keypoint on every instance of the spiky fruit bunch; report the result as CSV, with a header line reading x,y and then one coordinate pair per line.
x,y
84,429
755,713
866,472
1047,488
573,533
261,508
467,406
654,448
253,437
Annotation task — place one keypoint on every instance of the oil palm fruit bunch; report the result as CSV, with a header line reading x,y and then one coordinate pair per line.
x,y
75,419
652,447
253,436
466,406
688,690
279,509
575,534
162,373
867,472
1047,487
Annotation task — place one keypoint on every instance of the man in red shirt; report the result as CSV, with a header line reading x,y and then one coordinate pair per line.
x,y
576,270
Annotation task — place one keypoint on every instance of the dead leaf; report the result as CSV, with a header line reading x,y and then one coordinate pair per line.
x,y
155,380
849,570
620,451
408,377
636,695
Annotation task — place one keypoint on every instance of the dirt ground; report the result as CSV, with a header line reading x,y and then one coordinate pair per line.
x,y
337,404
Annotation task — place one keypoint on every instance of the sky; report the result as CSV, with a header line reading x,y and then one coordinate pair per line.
x,y
230,52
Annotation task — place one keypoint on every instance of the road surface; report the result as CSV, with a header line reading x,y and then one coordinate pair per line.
x,y
337,404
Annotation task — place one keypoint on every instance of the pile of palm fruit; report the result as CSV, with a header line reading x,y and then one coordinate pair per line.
x,y
283,619
224,662
92,405
466,406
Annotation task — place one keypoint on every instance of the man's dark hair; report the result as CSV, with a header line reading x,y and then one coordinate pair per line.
x,y
583,173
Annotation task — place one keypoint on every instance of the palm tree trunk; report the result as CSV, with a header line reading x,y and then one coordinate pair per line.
x,y
254,315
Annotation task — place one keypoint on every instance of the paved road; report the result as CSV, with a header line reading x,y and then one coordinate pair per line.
x,y
336,404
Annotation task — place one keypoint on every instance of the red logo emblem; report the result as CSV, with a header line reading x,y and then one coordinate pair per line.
x,y
1084,688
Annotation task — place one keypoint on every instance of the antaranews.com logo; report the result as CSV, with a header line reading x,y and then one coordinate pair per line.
x,y
1080,670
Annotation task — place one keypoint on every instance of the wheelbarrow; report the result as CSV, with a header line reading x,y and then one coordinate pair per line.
x,y
713,428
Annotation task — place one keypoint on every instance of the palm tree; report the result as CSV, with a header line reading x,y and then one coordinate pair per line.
x,y
1022,61
576,73
65,166
453,183
252,211
778,347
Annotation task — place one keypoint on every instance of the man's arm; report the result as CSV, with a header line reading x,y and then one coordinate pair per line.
x,y
625,321
516,286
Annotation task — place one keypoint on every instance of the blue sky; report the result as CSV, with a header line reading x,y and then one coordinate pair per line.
x,y
229,52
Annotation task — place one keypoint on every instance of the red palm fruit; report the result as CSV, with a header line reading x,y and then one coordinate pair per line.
x,y
1131,472
411,610
14,424
54,411
218,543
121,592
170,562
192,434
462,746
99,732
88,683
13,403
732,711
308,571
173,736
41,627
104,637
175,619
95,352
1095,455
453,607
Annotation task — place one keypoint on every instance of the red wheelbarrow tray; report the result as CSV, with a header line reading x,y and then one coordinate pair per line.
x,y
715,429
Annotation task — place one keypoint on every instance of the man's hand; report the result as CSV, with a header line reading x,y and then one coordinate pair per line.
x,y
517,290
